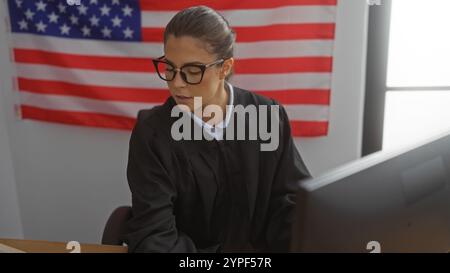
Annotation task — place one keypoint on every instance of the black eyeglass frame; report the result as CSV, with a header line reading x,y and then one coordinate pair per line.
x,y
202,67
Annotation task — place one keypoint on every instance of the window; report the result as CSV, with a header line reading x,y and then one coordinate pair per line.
x,y
417,102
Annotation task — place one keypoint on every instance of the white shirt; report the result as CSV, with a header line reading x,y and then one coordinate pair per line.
x,y
217,131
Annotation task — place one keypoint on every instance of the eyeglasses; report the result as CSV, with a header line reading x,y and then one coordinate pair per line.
x,y
190,73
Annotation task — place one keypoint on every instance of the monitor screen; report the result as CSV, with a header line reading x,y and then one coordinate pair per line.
x,y
385,202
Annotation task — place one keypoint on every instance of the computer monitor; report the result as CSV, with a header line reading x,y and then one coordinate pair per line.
x,y
387,202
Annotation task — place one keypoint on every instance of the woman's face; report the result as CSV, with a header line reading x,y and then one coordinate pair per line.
x,y
185,49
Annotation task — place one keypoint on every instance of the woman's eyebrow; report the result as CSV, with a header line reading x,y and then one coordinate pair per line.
x,y
169,61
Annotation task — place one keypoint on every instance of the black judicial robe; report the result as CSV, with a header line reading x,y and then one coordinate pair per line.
x,y
210,196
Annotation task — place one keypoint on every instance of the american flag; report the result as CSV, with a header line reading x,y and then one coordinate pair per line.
x,y
89,64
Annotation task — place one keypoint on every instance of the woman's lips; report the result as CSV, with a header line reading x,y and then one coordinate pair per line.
x,y
183,98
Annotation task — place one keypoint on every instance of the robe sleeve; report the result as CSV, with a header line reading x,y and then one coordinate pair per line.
x,y
290,170
152,227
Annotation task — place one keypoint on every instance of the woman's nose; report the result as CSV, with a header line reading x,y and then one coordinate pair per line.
x,y
178,80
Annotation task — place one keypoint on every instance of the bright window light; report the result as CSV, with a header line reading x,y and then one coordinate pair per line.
x,y
419,47
419,57
414,116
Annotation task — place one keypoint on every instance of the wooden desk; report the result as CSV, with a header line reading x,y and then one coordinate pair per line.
x,y
32,246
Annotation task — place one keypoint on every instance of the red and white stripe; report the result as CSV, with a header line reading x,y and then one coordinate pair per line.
x,y
284,51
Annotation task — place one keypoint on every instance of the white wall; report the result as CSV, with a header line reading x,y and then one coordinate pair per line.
x,y
69,178
10,222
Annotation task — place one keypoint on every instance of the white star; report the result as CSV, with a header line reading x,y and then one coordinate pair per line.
x,y
41,26
53,18
19,3
74,20
94,20
116,21
106,32
23,24
29,14
86,31
127,11
93,2
62,8
105,10
40,5
128,33
82,9
115,2
64,29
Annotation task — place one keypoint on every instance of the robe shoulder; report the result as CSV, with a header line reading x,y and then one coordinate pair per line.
x,y
155,120
246,97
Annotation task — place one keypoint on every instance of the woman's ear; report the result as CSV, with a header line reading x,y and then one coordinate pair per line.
x,y
226,68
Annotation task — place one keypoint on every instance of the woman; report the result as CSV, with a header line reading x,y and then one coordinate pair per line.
x,y
216,195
